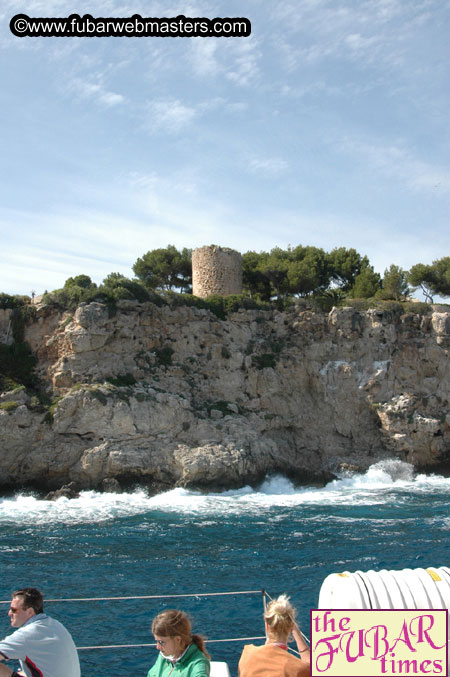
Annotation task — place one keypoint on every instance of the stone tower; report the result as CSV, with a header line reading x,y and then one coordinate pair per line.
x,y
216,270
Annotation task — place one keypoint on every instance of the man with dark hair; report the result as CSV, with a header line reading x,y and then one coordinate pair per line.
x,y
42,644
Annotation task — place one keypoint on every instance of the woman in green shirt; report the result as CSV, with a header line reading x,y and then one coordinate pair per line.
x,y
181,654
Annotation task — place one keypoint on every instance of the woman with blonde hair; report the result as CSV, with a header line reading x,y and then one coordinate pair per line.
x,y
272,658
179,649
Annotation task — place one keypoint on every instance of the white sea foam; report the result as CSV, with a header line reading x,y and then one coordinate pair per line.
x,y
370,488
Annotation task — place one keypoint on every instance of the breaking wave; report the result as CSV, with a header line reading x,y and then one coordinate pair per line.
x,y
391,478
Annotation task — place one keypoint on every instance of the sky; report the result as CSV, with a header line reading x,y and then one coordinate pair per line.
x,y
327,126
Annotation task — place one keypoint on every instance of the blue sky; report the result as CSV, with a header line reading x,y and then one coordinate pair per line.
x,y
328,126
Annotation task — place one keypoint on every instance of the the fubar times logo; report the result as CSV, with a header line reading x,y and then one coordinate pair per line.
x,y
377,642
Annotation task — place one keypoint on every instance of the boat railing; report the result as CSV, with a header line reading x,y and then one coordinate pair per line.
x,y
196,595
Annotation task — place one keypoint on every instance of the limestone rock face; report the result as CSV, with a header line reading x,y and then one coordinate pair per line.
x,y
172,396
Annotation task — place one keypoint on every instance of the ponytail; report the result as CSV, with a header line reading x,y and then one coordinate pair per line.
x,y
200,644
280,616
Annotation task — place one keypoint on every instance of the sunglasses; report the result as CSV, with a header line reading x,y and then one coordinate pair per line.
x,y
161,643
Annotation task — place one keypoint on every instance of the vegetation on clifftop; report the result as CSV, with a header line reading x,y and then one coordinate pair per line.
x,y
302,275
330,278
270,279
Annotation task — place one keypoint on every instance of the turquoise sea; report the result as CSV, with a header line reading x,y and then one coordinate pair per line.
x,y
276,537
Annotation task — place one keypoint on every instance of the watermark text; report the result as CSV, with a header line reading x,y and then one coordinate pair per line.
x,y
135,26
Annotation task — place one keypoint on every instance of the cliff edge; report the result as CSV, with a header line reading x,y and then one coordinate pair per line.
x,y
173,396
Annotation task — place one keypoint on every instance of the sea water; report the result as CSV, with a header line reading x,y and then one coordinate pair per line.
x,y
277,537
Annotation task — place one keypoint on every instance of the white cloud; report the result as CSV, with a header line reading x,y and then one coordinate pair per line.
x,y
145,181
67,242
170,114
237,107
359,43
94,91
380,31
236,59
203,57
396,161
268,167
244,56
173,116
110,98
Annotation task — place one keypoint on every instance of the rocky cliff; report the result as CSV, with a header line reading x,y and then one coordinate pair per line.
x,y
167,396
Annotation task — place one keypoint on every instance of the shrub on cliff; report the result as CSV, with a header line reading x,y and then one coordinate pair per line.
x,y
76,289
120,287
66,299
213,304
17,364
83,281
394,307
115,287
326,300
221,306
9,302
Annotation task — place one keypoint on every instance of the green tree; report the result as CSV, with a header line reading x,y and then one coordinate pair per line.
x,y
165,269
297,271
441,269
345,265
394,284
366,284
274,266
254,282
307,271
183,264
421,276
434,279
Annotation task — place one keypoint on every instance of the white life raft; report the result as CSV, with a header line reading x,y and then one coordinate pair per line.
x,y
404,589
